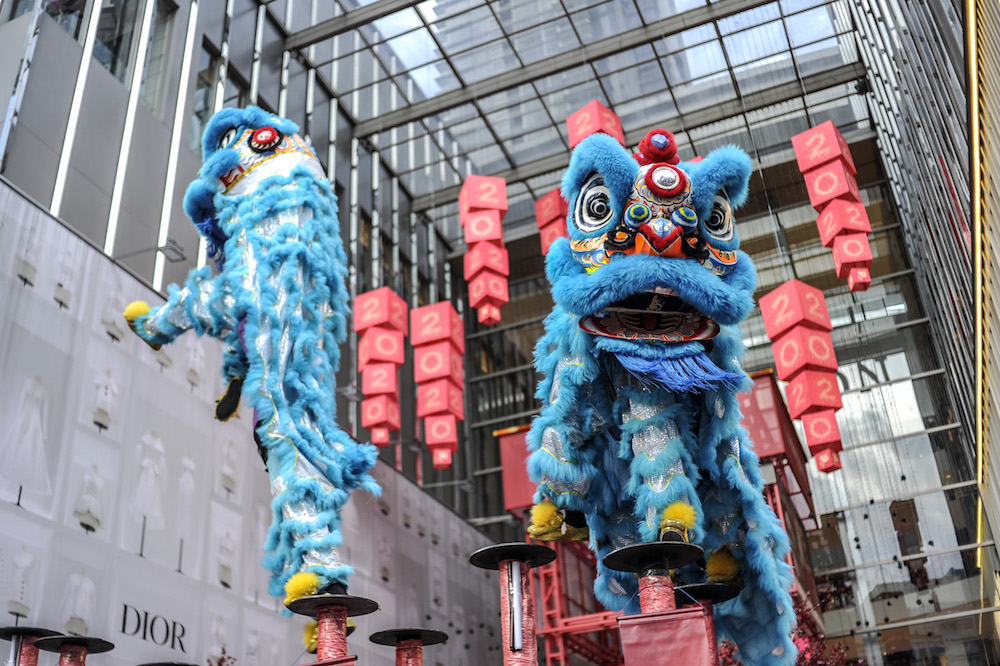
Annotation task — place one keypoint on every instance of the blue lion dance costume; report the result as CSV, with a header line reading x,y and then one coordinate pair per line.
x,y
639,435
279,303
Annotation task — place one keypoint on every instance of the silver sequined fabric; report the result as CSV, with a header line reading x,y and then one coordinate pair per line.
x,y
730,447
642,409
720,407
652,517
724,522
615,587
561,366
578,487
305,511
553,444
202,306
619,538
652,440
178,316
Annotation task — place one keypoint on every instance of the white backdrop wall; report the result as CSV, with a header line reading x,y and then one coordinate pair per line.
x,y
104,436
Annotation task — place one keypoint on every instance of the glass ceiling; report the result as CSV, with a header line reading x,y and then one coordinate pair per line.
x,y
648,71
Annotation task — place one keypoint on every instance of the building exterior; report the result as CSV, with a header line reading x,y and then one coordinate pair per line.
x,y
984,95
402,100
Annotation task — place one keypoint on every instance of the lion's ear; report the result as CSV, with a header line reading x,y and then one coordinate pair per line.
x,y
725,169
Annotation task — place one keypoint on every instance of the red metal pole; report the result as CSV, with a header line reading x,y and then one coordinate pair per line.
x,y
28,655
70,655
520,647
713,640
331,633
410,653
656,593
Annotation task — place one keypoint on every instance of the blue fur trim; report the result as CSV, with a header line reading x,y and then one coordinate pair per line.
x,y
199,199
648,350
200,207
582,293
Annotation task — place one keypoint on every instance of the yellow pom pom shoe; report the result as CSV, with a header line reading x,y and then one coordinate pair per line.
x,y
302,584
308,584
133,311
550,523
722,567
677,519
310,635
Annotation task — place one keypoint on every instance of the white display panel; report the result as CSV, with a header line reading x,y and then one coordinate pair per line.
x,y
113,435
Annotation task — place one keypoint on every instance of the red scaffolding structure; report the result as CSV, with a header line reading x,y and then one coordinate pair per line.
x,y
571,621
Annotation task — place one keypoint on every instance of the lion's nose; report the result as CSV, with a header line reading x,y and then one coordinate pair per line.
x,y
660,237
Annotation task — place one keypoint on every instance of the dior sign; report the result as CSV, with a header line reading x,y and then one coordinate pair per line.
x,y
155,628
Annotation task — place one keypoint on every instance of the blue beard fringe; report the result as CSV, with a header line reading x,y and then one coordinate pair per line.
x,y
209,228
686,374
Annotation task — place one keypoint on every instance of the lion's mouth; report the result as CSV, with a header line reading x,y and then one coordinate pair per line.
x,y
653,316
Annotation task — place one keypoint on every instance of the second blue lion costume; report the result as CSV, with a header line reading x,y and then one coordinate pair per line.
x,y
639,435
279,302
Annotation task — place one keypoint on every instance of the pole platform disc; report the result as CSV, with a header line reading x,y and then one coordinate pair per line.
x,y
490,557
640,557
395,636
7,633
88,643
714,592
356,606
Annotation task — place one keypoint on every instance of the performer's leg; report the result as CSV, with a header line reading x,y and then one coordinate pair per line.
x,y
234,371
563,488
562,458
656,436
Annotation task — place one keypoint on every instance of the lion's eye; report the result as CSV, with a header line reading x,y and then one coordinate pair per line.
x,y
719,224
593,205
227,138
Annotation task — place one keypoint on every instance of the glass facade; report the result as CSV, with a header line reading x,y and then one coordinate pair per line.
x,y
402,107
117,27
923,137
155,66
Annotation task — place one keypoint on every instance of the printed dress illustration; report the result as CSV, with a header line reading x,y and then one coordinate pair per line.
x,y
27,257
16,604
88,506
195,362
184,501
22,458
147,501
79,603
184,508
111,317
225,559
105,399
63,293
